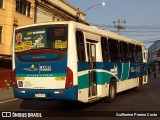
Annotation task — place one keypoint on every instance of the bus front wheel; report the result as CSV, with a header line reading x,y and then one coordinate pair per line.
x,y
112,92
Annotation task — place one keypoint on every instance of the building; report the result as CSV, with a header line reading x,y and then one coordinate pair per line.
x,y
154,59
15,13
57,10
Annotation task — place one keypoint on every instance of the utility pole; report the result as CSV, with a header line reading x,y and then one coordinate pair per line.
x,y
118,25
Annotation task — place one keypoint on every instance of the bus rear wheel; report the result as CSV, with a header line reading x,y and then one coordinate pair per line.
x,y
112,92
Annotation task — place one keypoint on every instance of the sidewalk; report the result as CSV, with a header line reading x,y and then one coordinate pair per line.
x,y
6,94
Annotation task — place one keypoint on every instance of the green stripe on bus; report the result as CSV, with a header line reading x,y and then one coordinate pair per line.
x,y
83,81
125,70
41,75
102,78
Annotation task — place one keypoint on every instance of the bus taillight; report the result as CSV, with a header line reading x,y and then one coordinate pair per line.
x,y
69,78
14,79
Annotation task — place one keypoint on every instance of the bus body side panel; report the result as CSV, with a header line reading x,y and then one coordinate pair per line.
x,y
130,73
83,81
126,74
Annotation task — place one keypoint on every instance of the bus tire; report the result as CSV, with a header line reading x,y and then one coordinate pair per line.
x,y
112,92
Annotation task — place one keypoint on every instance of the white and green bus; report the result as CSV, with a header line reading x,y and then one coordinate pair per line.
x,y
73,61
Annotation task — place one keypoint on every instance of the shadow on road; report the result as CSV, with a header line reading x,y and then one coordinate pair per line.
x,y
72,105
54,105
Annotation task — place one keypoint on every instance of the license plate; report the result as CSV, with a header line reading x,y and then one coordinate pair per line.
x,y
42,95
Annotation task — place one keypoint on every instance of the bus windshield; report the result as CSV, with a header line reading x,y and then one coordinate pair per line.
x,y
53,37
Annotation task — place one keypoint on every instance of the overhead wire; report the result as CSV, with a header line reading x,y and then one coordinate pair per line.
x,y
137,31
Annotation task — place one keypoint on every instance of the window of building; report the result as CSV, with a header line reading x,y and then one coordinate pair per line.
x,y
0,34
80,46
1,3
23,7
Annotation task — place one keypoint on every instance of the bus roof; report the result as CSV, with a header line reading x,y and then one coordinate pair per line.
x,y
108,34
91,29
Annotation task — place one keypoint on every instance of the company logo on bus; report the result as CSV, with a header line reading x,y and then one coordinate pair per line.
x,y
45,68
31,68
135,69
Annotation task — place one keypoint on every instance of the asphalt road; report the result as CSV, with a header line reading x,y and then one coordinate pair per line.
x,y
147,99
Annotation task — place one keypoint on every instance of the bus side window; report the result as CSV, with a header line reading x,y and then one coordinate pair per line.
x,y
104,46
121,46
139,53
125,51
80,46
114,50
132,52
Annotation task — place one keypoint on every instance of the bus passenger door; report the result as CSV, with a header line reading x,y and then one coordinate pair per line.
x,y
91,50
145,76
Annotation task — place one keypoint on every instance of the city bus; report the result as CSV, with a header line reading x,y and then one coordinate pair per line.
x,y
76,62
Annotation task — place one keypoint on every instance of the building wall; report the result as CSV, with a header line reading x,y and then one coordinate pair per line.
x,y
154,59
8,15
9,19
23,19
43,16
57,10
153,49
5,74
5,21
68,8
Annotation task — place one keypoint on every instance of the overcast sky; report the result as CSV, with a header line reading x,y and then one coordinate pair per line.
x,y
142,17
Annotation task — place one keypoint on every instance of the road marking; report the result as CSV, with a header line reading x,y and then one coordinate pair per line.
x,y
9,100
